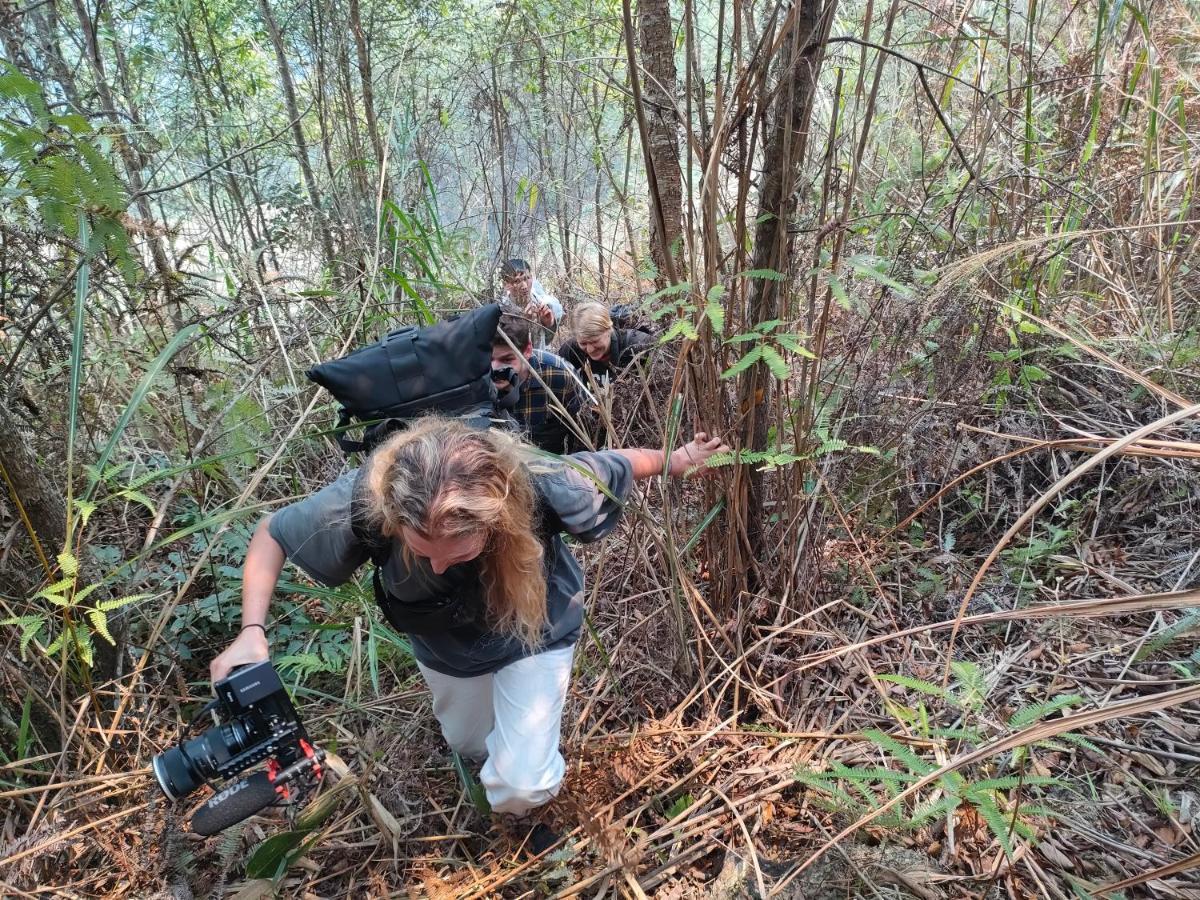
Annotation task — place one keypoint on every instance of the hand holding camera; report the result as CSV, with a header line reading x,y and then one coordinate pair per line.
x,y
255,722
248,647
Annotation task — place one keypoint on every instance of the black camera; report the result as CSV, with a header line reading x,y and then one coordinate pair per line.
x,y
255,722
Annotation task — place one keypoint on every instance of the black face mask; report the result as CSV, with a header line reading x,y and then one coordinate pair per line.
x,y
506,398
505,373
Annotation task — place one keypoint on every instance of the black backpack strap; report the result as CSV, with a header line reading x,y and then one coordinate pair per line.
x,y
347,444
376,543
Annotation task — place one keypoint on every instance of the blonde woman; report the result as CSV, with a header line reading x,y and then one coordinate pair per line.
x,y
466,533
598,346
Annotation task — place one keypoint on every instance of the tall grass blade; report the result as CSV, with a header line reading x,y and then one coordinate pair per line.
x,y
135,400
81,292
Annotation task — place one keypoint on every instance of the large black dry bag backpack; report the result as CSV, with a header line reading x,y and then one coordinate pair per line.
x,y
437,368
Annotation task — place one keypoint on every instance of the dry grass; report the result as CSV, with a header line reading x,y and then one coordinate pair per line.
x,y
791,686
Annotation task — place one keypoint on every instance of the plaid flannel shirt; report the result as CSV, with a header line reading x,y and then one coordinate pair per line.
x,y
538,417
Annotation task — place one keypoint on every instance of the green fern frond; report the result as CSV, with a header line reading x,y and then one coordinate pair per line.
x,y
1026,716
109,605
916,684
83,645
1010,782
890,776
1079,740
902,752
29,625
56,593
1189,622
99,622
970,735
86,508
816,782
68,563
997,822
972,686
1036,811
935,810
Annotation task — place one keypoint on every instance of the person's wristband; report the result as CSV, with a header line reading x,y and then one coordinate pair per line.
x,y
256,625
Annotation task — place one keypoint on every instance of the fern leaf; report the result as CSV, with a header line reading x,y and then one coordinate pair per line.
x,y
29,625
86,508
56,593
996,821
890,776
776,363
1079,740
1011,782
110,605
767,274
715,313
69,564
100,625
139,497
1189,622
744,363
1035,811
1026,716
902,752
935,810
916,684
83,645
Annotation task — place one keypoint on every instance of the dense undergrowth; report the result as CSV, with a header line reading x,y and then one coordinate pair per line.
x,y
934,634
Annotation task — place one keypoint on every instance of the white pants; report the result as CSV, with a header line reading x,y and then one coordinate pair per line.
x,y
511,717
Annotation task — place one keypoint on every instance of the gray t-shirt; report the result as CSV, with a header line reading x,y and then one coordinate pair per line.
x,y
316,536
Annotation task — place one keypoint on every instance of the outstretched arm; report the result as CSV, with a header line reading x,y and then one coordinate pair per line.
x,y
264,562
647,463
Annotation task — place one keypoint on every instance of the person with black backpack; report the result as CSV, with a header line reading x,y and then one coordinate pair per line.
x,y
465,527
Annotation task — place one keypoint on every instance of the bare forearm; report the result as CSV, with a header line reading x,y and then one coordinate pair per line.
x,y
264,562
646,463
681,462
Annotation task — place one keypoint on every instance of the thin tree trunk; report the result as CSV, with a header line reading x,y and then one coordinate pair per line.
x,y
130,155
657,38
783,158
293,112
360,181
204,100
244,161
363,51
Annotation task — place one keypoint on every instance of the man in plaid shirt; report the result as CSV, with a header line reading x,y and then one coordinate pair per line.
x,y
530,399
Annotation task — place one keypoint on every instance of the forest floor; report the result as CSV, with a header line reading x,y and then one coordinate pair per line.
x,y
735,778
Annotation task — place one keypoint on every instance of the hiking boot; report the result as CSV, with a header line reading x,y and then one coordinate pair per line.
x,y
533,836
541,838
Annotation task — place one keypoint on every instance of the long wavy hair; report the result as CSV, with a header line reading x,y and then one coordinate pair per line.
x,y
444,479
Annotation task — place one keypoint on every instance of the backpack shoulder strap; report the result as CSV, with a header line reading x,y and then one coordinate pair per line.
x,y
348,445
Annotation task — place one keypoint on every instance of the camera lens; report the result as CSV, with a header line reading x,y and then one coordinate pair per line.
x,y
182,769
174,775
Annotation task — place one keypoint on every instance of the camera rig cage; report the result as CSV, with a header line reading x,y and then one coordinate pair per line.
x,y
255,722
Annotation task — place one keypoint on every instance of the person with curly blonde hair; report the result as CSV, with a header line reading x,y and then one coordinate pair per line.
x,y
465,527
